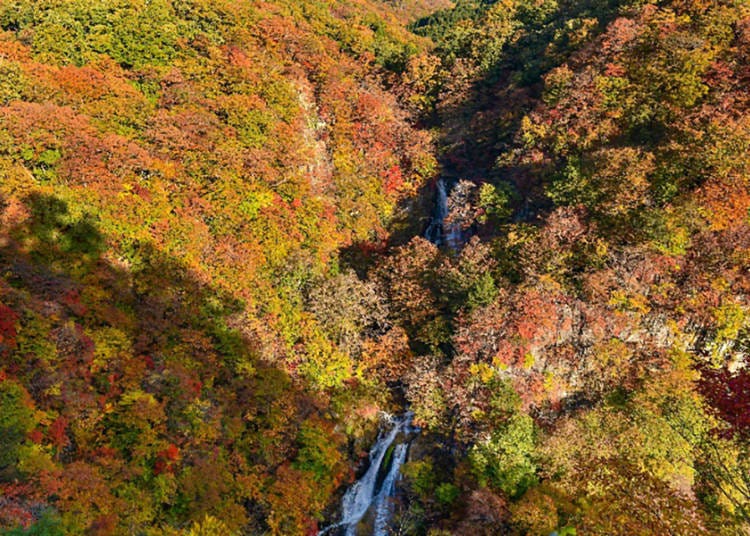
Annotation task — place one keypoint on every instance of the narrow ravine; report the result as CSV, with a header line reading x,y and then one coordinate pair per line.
x,y
367,506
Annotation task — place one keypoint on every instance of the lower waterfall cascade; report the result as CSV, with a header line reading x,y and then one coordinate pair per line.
x,y
370,497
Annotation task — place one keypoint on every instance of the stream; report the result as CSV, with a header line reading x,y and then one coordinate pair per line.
x,y
367,506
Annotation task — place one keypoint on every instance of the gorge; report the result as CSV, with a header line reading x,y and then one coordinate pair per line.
x,y
426,267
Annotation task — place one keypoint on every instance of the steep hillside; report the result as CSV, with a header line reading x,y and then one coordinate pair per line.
x,y
177,179
585,353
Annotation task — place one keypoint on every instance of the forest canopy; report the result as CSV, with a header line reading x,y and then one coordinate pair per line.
x,y
214,276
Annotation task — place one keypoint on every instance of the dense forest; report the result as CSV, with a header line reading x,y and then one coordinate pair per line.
x,y
214,276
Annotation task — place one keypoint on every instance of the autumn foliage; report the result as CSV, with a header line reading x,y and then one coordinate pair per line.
x,y
212,274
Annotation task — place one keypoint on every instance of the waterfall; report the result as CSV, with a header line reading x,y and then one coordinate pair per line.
x,y
434,232
370,496
383,505
438,231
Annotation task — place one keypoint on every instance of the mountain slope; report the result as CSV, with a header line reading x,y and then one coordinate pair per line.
x,y
584,352
176,178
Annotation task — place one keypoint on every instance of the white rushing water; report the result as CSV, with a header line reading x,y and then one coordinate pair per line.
x,y
440,232
383,504
371,494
